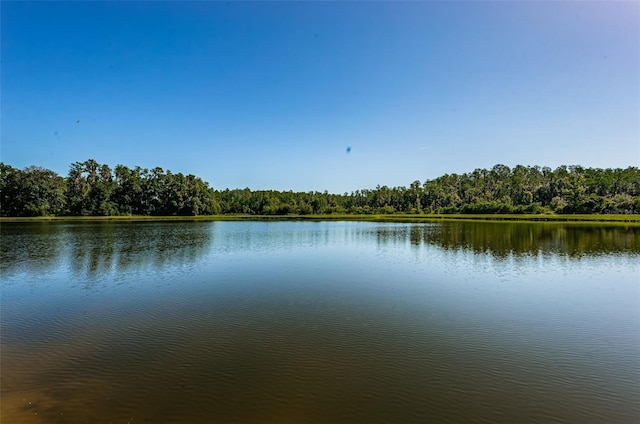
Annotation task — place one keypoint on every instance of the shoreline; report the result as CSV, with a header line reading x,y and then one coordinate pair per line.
x,y
408,218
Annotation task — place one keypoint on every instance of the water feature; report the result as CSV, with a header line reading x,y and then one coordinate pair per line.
x,y
327,322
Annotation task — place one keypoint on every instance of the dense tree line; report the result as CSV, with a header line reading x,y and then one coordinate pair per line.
x,y
94,189
91,188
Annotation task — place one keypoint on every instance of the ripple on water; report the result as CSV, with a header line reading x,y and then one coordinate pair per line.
x,y
345,323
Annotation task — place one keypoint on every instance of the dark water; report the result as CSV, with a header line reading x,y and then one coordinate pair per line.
x,y
319,322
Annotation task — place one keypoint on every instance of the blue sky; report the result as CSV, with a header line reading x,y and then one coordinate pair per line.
x,y
269,95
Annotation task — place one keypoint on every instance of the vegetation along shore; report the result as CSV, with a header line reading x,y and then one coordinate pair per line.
x,y
568,193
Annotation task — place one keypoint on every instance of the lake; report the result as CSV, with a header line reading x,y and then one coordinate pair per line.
x,y
319,322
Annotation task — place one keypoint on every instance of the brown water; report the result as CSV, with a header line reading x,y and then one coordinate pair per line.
x,y
319,322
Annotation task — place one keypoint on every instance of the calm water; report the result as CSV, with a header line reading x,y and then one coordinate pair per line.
x,y
319,322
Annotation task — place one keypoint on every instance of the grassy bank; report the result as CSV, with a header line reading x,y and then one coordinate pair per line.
x,y
627,219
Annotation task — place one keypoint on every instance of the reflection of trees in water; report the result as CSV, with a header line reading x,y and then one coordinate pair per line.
x,y
103,249
23,248
504,239
92,250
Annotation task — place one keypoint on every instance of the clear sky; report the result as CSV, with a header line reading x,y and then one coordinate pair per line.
x,y
270,95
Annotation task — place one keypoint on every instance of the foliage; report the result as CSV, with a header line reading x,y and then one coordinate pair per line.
x,y
33,191
93,189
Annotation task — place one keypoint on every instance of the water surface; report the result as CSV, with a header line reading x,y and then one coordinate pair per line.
x,y
319,322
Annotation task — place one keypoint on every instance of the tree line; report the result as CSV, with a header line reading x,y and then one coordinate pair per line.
x,y
93,189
